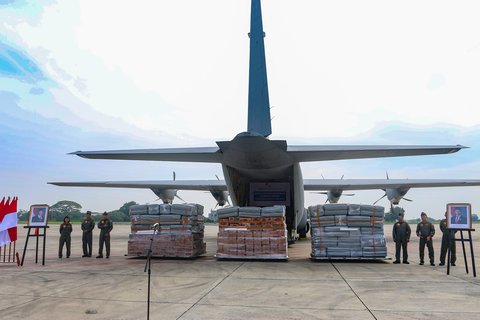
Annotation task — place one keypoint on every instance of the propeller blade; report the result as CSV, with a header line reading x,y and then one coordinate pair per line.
x,y
342,177
323,177
177,196
215,206
217,177
387,175
318,192
348,194
326,200
407,199
380,199
174,176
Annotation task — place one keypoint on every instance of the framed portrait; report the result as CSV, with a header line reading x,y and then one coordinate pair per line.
x,y
38,215
459,215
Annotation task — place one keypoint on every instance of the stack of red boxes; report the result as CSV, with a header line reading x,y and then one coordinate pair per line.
x,y
252,233
164,245
179,234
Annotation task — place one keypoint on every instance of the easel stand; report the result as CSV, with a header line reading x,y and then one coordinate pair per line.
x,y
463,240
148,268
44,235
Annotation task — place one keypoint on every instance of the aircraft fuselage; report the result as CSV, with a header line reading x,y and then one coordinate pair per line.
x,y
260,172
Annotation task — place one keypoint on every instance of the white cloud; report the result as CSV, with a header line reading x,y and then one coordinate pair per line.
x,y
182,65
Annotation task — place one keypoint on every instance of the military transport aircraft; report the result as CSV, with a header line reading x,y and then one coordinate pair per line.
x,y
263,172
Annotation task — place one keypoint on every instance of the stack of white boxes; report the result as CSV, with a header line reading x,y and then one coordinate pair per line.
x,y
179,234
252,233
347,231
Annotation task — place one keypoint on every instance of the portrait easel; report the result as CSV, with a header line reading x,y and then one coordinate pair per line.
x,y
462,240
44,235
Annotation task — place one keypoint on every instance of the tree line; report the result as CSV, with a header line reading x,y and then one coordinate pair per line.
x,y
74,210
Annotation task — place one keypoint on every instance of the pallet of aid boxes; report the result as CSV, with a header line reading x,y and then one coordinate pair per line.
x,y
252,233
347,231
180,231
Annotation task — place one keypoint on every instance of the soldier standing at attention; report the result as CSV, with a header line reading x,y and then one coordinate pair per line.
x,y
105,225
425,231
401,236
445,235
87,237
65,231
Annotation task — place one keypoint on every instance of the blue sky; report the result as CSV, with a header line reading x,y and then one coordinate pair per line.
x,y
166,74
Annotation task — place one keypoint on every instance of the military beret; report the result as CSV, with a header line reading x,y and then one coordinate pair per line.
x,y
423,214
401,214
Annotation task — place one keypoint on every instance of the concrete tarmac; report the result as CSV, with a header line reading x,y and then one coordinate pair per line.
x,y
204,288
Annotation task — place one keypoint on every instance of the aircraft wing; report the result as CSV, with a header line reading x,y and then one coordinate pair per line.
x,y
205,154
205,185
339,152
368,184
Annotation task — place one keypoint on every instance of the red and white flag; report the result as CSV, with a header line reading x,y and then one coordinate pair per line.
x,y
8,221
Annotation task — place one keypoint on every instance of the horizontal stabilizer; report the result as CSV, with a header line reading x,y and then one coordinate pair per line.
x,y
324,153
206,154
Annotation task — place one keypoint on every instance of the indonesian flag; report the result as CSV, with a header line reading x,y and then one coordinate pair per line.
x,y
8,221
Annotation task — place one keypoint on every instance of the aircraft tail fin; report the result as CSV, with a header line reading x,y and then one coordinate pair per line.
x,y
259,120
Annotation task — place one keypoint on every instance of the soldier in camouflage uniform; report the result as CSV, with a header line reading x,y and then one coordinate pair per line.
x,y
87,237
65,231
425,231
445,235
105,225
401,236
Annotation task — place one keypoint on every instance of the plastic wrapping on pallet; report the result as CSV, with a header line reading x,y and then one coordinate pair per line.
x,y
339,252
375,240
377,228
179,234
275,211
319,252
247,212
316,211
356,252
354,209
323,221
354,231
375,252
153,209
139,209
341,220
186,209
253,210
333,209
377,211
227,212
365,221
